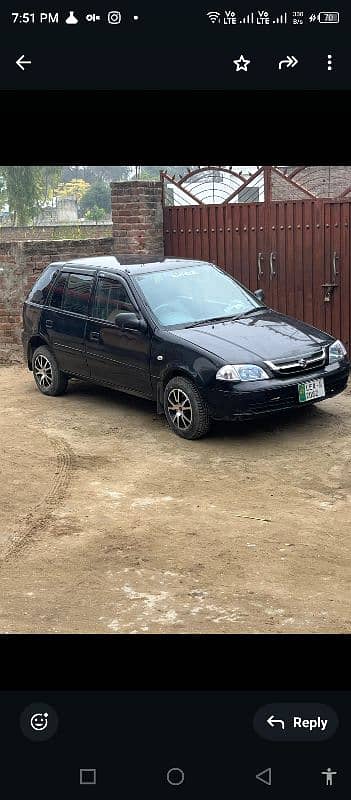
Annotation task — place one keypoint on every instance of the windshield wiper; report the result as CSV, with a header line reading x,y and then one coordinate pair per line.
x,y
252,311
223,319
210,320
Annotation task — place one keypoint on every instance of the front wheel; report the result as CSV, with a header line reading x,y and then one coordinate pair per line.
x,y
47,375
186,412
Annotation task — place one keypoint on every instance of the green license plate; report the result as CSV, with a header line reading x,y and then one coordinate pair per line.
x,y
310,390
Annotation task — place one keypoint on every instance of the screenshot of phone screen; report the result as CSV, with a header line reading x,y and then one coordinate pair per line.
x,y
175,404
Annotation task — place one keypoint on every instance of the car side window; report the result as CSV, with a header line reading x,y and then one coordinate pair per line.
x,y
111,299
77,293
58,290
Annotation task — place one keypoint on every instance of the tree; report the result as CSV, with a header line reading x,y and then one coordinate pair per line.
x,y
97,196
97,214
75,188
27,189
92,173
24,191
50,180
3,193
152,173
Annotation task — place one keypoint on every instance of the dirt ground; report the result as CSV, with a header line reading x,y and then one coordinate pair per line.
x,y
109,523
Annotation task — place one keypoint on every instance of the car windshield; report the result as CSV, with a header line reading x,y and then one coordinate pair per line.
x,y
191,294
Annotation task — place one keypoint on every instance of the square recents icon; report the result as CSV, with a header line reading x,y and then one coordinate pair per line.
x,y
87,777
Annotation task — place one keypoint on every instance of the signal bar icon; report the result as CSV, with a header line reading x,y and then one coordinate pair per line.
x,y
282,20
214,16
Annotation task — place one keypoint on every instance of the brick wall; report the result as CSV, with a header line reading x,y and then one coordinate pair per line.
x,y
137,219
20,265
321,181
45,232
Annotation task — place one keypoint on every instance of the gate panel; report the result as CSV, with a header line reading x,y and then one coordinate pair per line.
x,y
237,241
289,249
335,268
326,261
344,268
271,226
307,263
228,224
291,303
197,238
318,303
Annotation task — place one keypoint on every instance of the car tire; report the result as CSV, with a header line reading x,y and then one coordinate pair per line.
x,y
186,411
47,375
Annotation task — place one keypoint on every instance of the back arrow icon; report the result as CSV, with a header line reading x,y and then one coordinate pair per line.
x,y
20,62
290,61
265,776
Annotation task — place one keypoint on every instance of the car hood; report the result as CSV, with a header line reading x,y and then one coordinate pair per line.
x,y
263,335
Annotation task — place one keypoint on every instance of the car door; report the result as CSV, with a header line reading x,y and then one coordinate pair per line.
x,y
64,321
117,356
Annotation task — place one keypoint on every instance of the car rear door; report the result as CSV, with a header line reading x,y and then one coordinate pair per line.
x,y
64,321
117,356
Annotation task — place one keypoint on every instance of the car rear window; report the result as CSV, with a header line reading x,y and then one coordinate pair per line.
x,y
41,288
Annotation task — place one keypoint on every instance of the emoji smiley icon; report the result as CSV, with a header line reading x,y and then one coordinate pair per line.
x,y
39,722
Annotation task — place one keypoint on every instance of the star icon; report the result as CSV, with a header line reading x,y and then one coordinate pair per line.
x,y
241,63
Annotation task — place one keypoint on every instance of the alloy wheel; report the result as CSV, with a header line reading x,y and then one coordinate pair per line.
x,y
43,372
179,409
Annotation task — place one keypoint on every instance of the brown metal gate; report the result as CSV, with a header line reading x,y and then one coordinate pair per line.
x,y
297,251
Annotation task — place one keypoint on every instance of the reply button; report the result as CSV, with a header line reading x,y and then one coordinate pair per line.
x,y
300,722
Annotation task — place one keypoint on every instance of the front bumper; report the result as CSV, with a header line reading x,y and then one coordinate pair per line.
x,y
253,398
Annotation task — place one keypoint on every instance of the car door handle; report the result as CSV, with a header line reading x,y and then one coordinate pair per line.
x,y
49,323
94,336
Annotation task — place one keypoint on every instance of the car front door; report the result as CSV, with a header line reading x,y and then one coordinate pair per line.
x,y
64,321
115,355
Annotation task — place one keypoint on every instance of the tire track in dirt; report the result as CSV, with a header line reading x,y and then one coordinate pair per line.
x,y
40,515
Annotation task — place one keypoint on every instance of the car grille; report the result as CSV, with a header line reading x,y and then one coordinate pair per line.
x,y
299,364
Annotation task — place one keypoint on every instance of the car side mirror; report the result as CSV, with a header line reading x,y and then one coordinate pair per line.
x,y
259,293
128,320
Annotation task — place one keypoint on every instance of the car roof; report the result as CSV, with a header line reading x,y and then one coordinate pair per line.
x,y
111,264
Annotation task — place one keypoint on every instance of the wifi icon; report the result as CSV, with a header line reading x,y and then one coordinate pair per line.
x,y
214,16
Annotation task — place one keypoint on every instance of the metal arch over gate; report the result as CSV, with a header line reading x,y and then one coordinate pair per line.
x,y
283,229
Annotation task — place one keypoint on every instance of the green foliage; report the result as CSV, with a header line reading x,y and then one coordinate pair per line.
x,y
98,196
26,189
148,173
92,174
3,192
23,192
97,214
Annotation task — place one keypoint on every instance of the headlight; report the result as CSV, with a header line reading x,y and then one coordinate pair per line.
x,y
337,351
241,372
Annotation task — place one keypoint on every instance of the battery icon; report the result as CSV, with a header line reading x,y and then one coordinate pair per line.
x,y
328,16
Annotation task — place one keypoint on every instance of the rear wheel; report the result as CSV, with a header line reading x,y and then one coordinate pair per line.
x,y
47,375
186,411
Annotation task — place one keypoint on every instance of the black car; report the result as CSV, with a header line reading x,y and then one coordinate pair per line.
x,y
180,332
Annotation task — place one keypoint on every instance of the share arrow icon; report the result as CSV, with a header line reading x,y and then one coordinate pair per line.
x,y
289,61
265,776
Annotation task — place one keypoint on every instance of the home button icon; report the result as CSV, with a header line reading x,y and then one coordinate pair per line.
x,y
175,776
